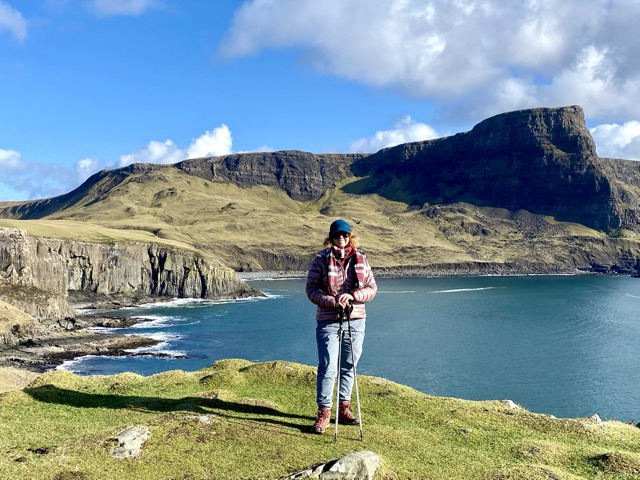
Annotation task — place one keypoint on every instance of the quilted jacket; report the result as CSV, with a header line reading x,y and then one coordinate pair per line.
x,y
346,282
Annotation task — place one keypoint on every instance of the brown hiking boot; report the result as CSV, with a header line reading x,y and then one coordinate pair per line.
x,y
322,421
344,414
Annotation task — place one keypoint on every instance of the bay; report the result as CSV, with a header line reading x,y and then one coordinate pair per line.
x,y
562,345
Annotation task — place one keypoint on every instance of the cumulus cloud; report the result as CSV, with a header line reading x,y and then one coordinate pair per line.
x,y
618,141
211,143
86,167
122,7
214,143
13,21
23,180
154,152
479,57
10,160
405,131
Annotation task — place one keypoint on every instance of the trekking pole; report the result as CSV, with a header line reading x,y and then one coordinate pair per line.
x,y
340,338
355,374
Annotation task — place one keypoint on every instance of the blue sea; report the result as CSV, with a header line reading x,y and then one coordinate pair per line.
x,y
562,345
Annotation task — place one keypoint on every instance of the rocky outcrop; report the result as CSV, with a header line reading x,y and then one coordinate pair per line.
x,y
36,273
541,160
357,466
304,176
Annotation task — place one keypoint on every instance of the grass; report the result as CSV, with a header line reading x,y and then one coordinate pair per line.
x,y
243,420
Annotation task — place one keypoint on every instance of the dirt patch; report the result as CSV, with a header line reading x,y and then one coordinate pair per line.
x,y
12,378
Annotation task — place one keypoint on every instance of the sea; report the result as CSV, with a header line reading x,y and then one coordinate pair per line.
x,y
566,345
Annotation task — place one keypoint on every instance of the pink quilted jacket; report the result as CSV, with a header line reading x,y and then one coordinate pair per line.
x,y
346,282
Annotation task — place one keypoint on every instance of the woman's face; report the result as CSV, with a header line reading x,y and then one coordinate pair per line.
x,y
341,239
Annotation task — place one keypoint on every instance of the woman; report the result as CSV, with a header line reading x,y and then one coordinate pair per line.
x,y
339,276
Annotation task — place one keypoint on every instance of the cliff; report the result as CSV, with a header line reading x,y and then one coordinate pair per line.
x,y
541,160
303,176
36,274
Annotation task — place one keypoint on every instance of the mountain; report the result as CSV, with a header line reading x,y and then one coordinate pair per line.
x,y
522,192
541,160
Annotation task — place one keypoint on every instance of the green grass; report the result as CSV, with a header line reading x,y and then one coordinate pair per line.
x,y
242,420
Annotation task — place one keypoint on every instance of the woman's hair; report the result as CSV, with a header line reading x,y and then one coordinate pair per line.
x,y
354,241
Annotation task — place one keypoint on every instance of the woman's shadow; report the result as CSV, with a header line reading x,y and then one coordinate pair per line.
x,y
197,405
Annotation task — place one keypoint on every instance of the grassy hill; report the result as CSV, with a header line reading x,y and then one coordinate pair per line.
x,y
262,228
242,420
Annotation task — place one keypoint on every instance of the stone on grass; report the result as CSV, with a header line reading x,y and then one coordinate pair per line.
x,y
129,442
354,466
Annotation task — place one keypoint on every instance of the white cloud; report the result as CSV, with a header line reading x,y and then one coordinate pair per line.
x,y
122,7
23,180
86,167
618,141
154,152
13,21
405,131
10,160
214,143
211,143
480,57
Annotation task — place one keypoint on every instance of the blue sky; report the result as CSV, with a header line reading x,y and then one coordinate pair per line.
x,y
92,84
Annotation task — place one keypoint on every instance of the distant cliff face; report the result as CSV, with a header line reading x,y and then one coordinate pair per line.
x,y
304,176
36,273
541,160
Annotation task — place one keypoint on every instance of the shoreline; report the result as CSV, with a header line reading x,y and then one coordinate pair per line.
x,y
48,348
421,272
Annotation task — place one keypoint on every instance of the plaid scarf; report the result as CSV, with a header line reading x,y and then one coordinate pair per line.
x,y
333,269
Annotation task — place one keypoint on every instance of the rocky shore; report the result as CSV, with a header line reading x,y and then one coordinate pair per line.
x,y
47,347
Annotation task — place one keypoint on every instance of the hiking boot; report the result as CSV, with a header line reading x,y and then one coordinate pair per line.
x,y
322,421
344,414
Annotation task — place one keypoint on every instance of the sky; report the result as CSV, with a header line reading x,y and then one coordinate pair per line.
x,y
87,85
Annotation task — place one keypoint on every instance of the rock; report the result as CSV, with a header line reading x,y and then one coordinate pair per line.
x,y
595,418
355,466
130,442
37,273
509,404
303,175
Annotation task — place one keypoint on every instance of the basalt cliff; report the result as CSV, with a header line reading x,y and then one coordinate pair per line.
x,y
522,192
37,275
541,160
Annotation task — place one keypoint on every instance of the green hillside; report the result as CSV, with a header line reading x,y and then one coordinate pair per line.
x,y
242,420
262,228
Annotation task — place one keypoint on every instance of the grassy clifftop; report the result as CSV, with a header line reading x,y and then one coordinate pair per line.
x,y
242,420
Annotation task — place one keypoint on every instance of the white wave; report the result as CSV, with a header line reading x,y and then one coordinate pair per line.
x,y
192,303
70,364
156,321
163,337
270,296
632,296
457,290
158,350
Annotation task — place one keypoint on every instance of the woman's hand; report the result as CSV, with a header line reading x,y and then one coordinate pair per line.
x,y
345,299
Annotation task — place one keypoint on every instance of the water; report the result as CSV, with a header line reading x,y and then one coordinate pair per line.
x,y
563,345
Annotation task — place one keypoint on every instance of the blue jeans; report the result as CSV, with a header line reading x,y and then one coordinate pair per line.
x,y
327,341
